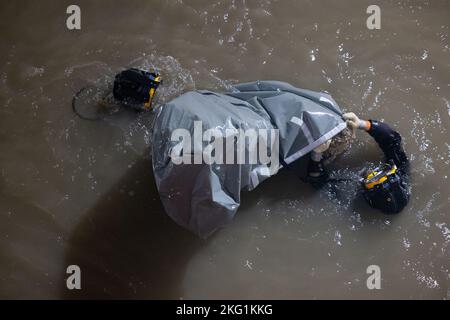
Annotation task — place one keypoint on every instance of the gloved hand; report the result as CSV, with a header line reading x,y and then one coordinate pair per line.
x,y
354,122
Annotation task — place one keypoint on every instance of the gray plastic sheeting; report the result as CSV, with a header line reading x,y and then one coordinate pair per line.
x,y
204,197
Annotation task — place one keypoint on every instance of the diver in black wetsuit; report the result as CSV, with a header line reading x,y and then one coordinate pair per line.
x,y
387,187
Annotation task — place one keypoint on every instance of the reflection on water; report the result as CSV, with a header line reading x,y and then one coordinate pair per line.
x,y
82,192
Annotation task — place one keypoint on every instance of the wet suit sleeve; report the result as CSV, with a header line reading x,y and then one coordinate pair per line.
x,y
390,143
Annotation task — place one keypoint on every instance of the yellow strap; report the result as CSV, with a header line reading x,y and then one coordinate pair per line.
x,y
151,93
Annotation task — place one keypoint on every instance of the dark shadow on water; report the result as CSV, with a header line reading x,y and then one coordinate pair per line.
x,y
127,247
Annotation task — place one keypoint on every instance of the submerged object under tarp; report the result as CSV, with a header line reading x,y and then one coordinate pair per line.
x,y
205,196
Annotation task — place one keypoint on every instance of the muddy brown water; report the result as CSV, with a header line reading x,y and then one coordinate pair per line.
x,y
80,192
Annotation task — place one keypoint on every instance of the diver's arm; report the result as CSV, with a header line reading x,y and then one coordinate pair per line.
x,y
389,141
387,138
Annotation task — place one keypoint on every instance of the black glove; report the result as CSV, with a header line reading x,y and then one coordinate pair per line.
x,y
317,175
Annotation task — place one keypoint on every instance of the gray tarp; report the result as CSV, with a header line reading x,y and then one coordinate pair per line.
x,y
204,197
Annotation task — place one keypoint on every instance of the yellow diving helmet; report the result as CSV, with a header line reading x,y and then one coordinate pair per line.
x,y
379,175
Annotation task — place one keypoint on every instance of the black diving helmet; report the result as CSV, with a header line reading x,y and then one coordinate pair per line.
x,y
136,88
384,189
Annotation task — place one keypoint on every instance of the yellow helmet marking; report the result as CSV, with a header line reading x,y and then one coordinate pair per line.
x,y
372,184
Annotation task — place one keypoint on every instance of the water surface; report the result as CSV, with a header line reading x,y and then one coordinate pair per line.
x,y
81,192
